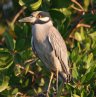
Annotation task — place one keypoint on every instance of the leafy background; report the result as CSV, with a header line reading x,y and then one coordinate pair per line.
x,y
22,74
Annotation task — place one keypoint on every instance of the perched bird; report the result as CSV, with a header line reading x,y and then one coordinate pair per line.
x,y
49,45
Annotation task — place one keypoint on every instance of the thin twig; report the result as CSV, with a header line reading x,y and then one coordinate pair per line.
x,y
18,14
18,94
21,67
74,1
83,25
76,8
73,26
31,61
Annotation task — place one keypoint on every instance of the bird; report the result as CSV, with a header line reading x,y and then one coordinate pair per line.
x,y
49,46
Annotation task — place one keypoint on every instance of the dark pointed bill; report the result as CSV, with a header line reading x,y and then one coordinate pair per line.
x,y
28,19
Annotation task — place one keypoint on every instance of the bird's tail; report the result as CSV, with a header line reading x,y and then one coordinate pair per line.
x,y
65,77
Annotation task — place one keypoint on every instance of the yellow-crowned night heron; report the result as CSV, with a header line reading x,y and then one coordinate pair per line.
x,y
49,45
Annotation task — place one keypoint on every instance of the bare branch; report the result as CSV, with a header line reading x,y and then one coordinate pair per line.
x,y
21,67
18,14
76,8
74,1
83,25
31,61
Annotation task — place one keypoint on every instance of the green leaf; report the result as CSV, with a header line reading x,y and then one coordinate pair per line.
x,y
91,94
30,4
82,33
18,58
4,84
83,93
20,44
75,95
75,71
19,30
21,2
61,86
60,3
36,5
15,91
78,36
89,60
86,4
42,82
27,83
65,11
9,41
6,60
27,68
93,35
88,75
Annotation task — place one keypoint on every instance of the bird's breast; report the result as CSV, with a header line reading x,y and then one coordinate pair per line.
x,y
39,33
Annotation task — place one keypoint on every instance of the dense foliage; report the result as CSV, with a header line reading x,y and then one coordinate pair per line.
x,y
22,74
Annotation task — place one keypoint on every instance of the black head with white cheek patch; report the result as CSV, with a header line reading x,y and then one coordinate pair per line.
x,y
41,17
38,17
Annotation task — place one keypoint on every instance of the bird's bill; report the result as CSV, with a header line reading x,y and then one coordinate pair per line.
x,y
28,19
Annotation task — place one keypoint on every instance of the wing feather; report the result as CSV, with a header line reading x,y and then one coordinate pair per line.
x,y
59,47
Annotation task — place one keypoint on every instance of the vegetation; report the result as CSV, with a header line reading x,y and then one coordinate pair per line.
x,y
22,74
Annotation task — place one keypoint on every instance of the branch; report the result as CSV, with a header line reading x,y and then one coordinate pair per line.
x,y
21,67
18,14
30,61
74,1
83,25
76,8
18,94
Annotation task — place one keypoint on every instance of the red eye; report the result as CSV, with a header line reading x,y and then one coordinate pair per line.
x,y
39,16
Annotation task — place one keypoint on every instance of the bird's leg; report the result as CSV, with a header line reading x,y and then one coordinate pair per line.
x,y
57,81
51,77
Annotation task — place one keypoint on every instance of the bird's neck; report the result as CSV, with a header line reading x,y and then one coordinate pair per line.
x,y
42,27
39,31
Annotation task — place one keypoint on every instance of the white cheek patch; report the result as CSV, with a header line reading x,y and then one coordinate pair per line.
x,y
44,19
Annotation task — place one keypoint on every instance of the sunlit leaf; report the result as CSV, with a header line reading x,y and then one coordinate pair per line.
x,y
30,4
83,93
75,71
39,90
36,5
75,95
4,84
21,2
6,60
15,91
89,59
93,35
27,68
42,82
78,36
86,4
88,75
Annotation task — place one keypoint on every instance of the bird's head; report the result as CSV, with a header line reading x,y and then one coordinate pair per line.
x,y
38,17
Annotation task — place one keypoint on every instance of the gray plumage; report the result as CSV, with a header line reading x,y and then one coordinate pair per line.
x,y
48,44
